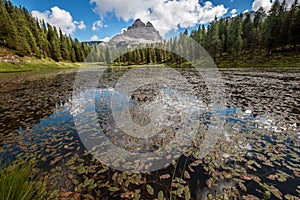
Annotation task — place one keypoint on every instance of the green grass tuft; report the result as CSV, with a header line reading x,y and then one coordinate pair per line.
x,y
17,182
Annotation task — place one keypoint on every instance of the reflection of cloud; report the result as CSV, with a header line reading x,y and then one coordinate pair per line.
x,y
59,18
164,15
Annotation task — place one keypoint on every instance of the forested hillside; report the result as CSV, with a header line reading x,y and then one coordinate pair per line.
x,y
27,36
248,34
249,37
254,38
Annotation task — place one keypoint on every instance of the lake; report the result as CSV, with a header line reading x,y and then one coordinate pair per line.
x,y
257,156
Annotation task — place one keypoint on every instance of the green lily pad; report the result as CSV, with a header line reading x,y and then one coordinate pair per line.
x,y
149,189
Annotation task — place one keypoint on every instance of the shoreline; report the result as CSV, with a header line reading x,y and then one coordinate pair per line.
x,y
10,67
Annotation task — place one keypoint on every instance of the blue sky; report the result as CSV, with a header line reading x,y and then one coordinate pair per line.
x,y
99,19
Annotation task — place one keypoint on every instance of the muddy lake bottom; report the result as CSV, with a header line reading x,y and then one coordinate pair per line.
x,y
256,157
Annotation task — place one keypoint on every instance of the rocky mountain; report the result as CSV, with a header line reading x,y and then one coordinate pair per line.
x,y
138,32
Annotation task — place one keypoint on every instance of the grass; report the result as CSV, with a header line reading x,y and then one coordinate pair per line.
x,y
21,64
277,60
17,182
34,66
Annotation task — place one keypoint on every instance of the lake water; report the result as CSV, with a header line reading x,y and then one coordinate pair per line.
x,y
258,155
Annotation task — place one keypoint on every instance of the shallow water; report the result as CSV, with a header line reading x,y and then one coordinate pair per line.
x,y
259,151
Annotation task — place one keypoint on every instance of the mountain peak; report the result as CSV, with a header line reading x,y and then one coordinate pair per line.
x,y
137,24
138,32
149,25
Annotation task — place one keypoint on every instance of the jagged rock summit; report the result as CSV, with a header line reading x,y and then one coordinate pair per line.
x,y
137,24
138,32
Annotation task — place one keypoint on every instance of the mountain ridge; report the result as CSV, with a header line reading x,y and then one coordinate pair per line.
x,y
138,32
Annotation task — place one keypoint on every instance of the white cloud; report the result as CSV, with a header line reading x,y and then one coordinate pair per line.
x,y
245,11
97,25
60,18
233,12
123,29
80,25
267,4
289,2
94,38
106,39
164,15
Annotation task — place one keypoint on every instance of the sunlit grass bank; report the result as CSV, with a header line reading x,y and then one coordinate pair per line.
x,y
34,66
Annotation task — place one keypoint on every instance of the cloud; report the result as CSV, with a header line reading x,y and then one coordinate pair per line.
x,y
80,25
60,18
289,3
233,12
267,4
94,37
106,39
245,11
163,14
97,25
123,29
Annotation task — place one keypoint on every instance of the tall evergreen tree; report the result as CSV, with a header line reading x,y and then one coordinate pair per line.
x,y
53,40
64,46
272,31
7,30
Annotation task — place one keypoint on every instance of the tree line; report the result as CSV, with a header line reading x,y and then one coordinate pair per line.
x,y
235,38
252,33
243,37
28,36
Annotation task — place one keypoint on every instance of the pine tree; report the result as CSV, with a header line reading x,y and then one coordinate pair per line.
x,y
293,22
64,46
272,31
53,40
247,33
223,26
7,30
234,41
257,42
214,39
283,31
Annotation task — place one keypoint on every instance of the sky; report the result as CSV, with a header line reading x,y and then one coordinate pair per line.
x,y
102,19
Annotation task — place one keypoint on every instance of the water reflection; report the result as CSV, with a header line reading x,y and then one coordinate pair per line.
x,y
37,119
